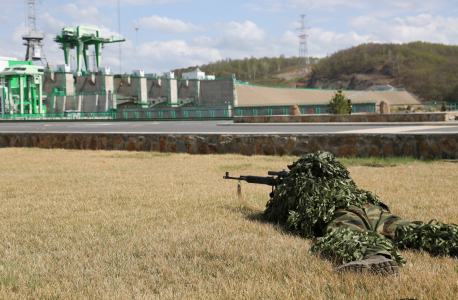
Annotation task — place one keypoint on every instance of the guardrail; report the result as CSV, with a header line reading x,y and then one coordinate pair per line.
x,y
187,113
195,113
429,107
58,116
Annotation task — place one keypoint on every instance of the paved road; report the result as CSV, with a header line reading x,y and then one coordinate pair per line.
x,y
196,127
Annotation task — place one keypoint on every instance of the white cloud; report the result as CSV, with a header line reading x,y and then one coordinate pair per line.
x,y
113,3
159,56
330,5
322,42
364,22
251,6
50,24
89,14
270,5
204,41
384,8
167,25
424,27
246,36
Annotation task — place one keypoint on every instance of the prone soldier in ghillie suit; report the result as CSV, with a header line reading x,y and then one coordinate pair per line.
x,y
319,200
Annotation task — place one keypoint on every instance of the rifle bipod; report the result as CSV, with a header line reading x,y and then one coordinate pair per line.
x,y
239,194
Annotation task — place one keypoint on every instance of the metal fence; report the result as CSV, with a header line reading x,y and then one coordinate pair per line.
x,y
59,116
426,107
203,113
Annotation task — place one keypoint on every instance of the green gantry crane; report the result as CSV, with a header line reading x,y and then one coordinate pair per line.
x,y
81,38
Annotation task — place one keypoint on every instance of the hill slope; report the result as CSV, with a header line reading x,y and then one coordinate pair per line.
x,y
428,70
265,71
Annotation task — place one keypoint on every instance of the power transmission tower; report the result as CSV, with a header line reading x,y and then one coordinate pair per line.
x,y
33,39
303,51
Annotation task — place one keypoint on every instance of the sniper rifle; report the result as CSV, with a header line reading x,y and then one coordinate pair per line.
x,y
272,181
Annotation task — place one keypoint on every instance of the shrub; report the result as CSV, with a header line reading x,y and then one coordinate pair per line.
x,y
338,104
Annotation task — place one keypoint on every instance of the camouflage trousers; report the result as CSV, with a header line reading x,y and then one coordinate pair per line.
x,y
368,218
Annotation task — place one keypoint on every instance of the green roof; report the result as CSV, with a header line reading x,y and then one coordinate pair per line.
x,y
23,70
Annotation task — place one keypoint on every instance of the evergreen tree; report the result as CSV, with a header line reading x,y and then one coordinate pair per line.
x,y
338,104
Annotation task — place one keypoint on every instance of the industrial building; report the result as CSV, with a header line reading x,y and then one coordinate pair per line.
x,y
65,91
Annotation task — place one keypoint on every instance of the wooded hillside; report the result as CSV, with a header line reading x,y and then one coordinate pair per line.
x,y
254,70
428,70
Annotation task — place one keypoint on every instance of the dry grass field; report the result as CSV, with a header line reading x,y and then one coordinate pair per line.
x,y
121,225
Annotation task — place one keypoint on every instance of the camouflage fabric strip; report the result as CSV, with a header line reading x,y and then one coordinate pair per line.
x,y
352,217
368,218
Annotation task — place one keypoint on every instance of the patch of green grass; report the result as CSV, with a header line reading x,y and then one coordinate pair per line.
x,y
380,162
236,167
141,155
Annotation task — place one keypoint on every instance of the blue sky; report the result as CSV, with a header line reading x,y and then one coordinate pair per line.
x,y
182,33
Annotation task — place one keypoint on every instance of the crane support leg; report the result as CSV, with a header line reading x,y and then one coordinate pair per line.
x,y
86,57
79,49
98,53
66,48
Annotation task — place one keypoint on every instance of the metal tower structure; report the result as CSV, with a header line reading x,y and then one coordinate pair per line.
x,y
33,40
303,51
81,38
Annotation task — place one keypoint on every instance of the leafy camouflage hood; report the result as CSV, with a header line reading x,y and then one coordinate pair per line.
x,y
318,185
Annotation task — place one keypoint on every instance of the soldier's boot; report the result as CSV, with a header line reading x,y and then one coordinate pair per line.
x,y
377,264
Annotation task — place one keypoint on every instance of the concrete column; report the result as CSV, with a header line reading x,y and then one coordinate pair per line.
x,y
235,94
173,90
139,88
69,86
80,103
114,104
107,102
198,91
96,102
143,90
64,103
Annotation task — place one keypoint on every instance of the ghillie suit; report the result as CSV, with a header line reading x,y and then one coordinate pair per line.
x,y
319,200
